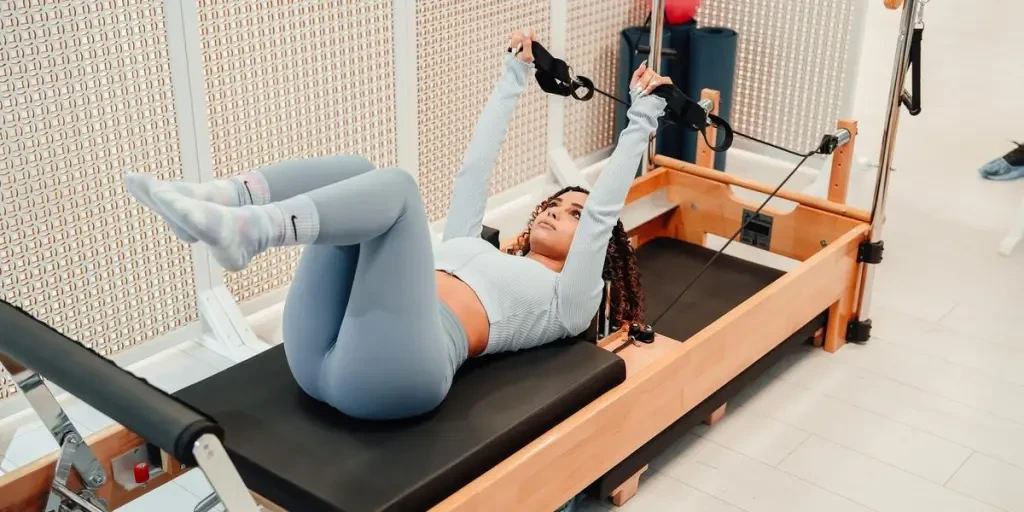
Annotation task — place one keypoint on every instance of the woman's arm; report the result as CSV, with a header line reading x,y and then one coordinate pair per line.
x,y
472,181
580,285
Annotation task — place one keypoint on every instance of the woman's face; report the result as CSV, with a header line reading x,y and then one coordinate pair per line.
x,y
551,233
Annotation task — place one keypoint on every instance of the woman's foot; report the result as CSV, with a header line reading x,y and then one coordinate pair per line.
x,y
1007,167
246,189
141,187
235,235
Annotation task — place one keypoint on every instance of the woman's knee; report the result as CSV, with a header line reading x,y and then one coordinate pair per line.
x,y
351,164
401,180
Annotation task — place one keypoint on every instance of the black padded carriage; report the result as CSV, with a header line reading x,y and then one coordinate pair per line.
x,y
305,456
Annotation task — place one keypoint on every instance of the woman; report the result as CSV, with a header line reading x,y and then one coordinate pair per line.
x,y
376,321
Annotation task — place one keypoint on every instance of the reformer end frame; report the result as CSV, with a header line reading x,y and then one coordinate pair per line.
x,y
31,351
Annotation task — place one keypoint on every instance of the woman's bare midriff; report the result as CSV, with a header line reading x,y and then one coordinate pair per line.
x,y
466,306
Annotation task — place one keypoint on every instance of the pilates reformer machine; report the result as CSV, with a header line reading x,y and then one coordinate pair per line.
x,y
522,431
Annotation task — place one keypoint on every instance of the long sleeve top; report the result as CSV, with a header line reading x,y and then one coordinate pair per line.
x,y
527,303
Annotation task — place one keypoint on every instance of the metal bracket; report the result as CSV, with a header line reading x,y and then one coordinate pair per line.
x,y
234,338
224,478
757,230
870,252
564,169
858,331
142,459
74,453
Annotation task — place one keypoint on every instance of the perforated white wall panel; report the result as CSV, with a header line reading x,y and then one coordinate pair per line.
x,y
293,80
460,47
85,95
790,65
593,51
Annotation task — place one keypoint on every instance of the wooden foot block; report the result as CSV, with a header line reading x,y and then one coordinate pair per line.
x,y
628,489
819,338
716,416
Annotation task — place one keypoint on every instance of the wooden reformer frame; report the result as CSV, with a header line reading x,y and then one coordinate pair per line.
x,y
665,379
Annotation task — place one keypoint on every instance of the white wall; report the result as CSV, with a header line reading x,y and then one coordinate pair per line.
x,y
973,100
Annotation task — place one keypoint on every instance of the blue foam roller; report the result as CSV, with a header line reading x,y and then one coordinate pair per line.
x,y
712,65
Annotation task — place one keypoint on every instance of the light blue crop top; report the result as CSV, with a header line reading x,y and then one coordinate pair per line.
x,y
528,304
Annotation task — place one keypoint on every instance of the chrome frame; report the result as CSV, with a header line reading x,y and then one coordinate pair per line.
x,y
224,478
654,62
74,453
888,146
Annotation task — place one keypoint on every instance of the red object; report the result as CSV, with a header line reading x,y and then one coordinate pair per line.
x,y
678,12
141,471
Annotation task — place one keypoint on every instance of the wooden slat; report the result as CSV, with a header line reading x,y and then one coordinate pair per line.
x,y
839,177
708,206
728,179
570,456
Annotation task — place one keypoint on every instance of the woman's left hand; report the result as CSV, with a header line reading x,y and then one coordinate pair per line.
x,y
645,80
521,44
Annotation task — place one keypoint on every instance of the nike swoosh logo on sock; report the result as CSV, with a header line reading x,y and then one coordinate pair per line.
x,y
295,227
246,185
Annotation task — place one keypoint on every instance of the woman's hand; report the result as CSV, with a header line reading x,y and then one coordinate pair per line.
x,y
521,45
645,80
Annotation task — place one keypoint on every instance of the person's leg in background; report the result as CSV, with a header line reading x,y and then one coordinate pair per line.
x,y
395,351
1005,168
276,182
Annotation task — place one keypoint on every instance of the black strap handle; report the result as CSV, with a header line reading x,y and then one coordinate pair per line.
x,y
912,100
147,411
555,76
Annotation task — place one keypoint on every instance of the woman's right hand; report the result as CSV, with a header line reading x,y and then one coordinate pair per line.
x,y
521,44
645,80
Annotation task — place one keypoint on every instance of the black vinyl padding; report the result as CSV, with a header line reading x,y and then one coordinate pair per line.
x,y
668,265
727,283
149,412
304,455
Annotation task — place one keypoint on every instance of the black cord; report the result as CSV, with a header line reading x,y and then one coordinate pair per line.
x,y
611,96
743,225
733,237
766,143
741,134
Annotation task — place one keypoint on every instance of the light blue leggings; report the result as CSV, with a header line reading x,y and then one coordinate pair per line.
x,y
364,330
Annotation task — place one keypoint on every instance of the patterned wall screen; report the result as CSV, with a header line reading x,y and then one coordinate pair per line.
x,y
460,44
85,95
290,80
593,50
790,65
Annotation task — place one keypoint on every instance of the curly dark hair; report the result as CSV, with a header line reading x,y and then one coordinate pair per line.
x,y
620,267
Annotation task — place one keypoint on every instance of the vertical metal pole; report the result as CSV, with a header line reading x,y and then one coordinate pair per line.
x,y
654,61
888,145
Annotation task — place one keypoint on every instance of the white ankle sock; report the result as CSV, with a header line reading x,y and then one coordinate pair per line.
x,y
237,235
246,189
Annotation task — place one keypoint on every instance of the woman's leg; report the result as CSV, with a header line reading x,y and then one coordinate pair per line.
x,y
316,304
393,356
276,182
